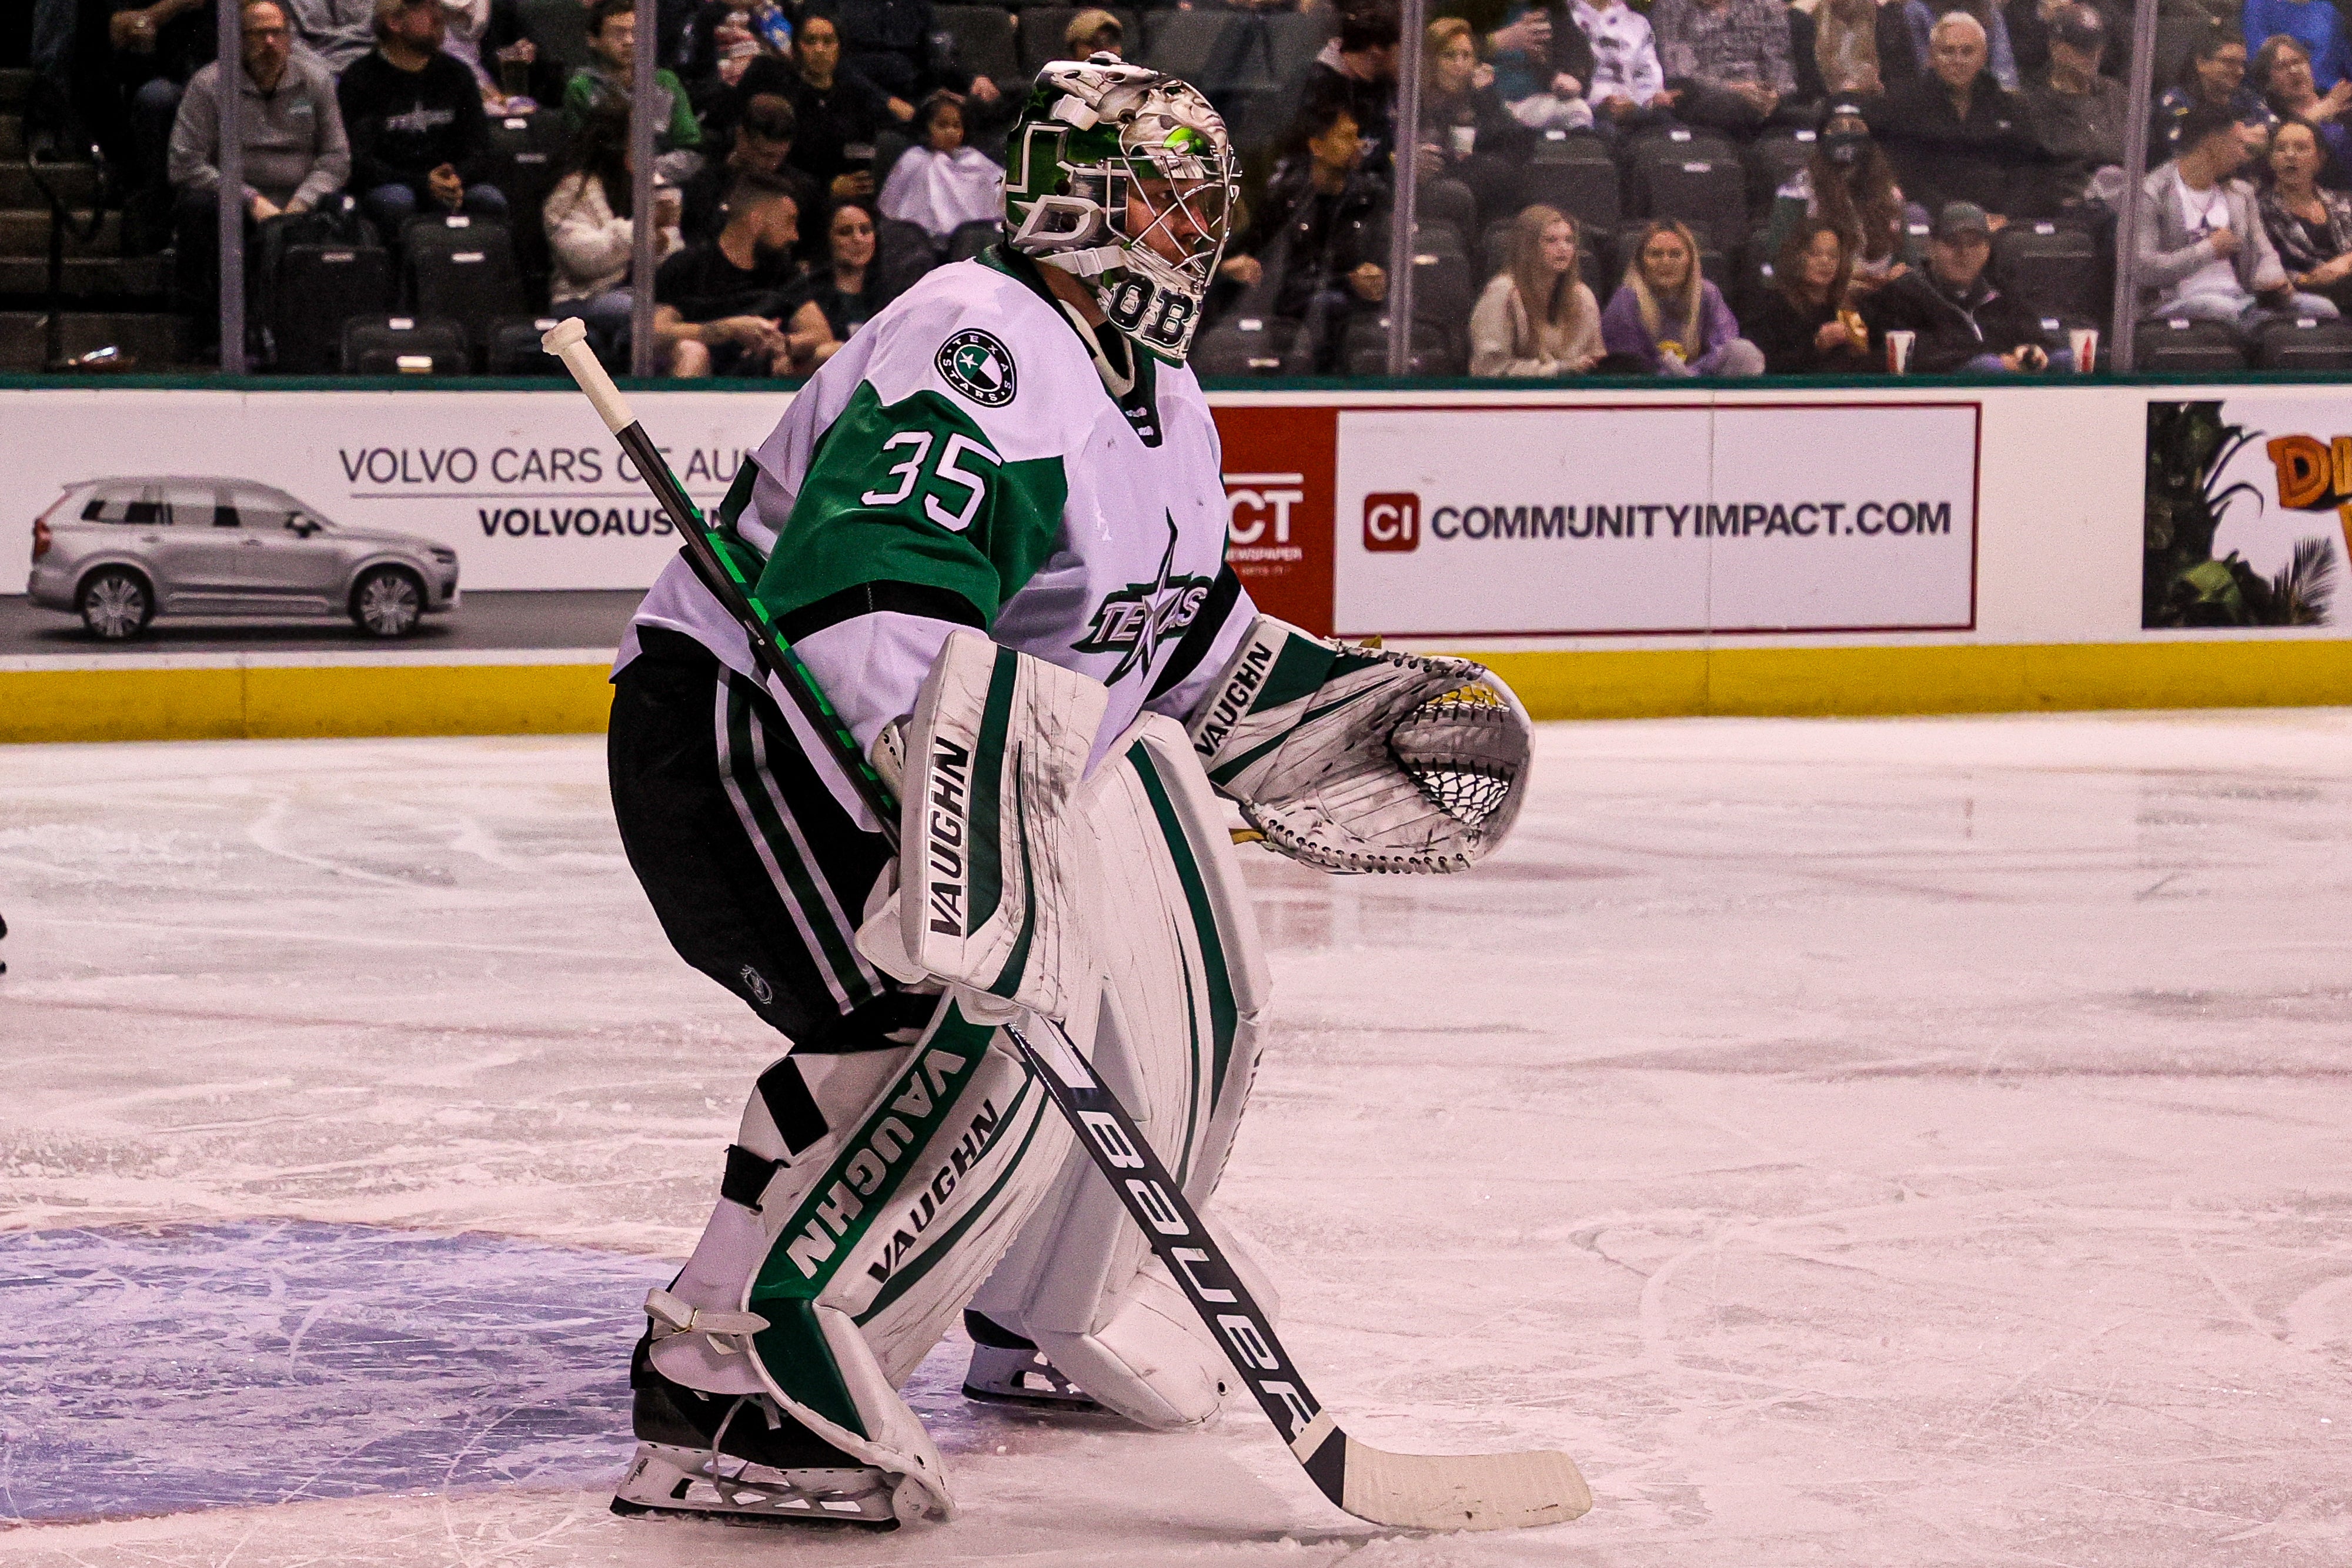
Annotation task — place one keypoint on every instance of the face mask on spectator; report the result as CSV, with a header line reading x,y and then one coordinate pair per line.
x,y
1845,148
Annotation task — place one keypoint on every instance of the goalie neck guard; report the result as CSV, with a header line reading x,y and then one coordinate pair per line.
x,y
1125,178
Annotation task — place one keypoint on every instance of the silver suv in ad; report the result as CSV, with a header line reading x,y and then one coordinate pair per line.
x,y
119,552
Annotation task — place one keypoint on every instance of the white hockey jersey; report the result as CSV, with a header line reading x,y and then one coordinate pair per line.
x,y
970,459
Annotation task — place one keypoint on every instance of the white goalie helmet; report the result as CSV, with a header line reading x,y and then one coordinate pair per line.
x,y
1124,177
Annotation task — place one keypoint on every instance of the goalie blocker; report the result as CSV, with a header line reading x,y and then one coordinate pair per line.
x,y
1360,759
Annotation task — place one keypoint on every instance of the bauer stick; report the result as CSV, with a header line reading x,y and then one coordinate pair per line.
x,y
1411,1491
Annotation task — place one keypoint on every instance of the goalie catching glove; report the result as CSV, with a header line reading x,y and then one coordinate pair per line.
x,y
1360,759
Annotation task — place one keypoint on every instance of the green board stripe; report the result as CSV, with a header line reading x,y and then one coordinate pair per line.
x,y
834,944
1224,1014
1302,669
987,786
1227,772
792,1350
912,1273
1008,979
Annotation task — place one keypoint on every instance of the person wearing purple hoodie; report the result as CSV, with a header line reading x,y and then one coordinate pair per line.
x,y
1667,320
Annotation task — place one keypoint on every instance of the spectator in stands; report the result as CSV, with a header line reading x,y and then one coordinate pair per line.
x,y
419,139
722,37
294,149
943,185
337,31
2283,70
1845,47
889,43
2029,32
848,289
2203,251
2214,73
1358,71
1314,231
2309,226
613,40
839,112
1726,61
1542,64
468,39
2078,114
1094,31
591,232
1628,86
1666,320
155,49
1849,184
1804,324
763,144
1921,18
1956,136
1536,317
738,305
2316,25
1960,320
1466,134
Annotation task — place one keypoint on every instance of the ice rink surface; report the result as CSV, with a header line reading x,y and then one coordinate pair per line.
x,y
1895,1144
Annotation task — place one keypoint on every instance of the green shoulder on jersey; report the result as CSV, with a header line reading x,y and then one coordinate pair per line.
x,y
912,495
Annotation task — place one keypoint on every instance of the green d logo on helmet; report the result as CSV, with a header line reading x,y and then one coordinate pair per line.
x,y
1126,178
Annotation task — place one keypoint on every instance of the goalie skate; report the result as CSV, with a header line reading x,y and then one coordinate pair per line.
x,y
1009,1370
704,1483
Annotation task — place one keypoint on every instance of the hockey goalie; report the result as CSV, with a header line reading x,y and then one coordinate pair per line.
x,y
993,529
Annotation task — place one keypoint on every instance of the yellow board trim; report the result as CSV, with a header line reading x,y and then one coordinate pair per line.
x,y
281,702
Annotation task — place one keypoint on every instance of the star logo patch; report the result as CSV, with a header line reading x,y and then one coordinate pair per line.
x,y
978,364
1135,621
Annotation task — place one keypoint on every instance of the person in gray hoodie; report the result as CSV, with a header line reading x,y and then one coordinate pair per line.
x,y
2203,252
295,153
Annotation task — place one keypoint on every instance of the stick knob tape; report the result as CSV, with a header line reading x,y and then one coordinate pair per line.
x,y
568,342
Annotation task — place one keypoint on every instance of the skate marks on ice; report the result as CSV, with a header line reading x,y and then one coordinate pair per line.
x,y
160,1368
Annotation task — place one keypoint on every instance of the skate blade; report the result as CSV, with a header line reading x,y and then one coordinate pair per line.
x,y
1077,1403
679,1481
1006,1376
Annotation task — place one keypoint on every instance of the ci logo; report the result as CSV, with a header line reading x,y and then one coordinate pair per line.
x,y
1392,521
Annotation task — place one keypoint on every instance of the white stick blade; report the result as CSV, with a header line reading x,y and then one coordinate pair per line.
x,y
1463,1491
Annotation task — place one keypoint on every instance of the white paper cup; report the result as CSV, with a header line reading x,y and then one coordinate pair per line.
x,y
1464,138
2084,342
1898,351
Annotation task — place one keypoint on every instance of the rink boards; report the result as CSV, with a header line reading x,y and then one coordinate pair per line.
x,y
1911,547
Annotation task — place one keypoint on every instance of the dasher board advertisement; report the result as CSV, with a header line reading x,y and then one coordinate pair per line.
x,y
1657,519
2248,514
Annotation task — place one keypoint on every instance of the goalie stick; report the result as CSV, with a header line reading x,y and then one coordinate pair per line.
x,y
1412,1491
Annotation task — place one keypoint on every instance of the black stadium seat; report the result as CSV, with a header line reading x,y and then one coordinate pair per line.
x,y
1772,161
1365,351
1247,346
970,239
317,288
2304,343
525,150
462,269
1575,174
903,252
514,351
2052,268
983,41
1708,193
2177,346
404,345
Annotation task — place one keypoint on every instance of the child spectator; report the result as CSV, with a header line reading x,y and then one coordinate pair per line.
x,y
419,139
590,232
1803,323
1536,317
2309,226
1628,87
1542,65
2203,252
1848,184
738,305
2214,73
943,183
613,40
1667,320
1960,320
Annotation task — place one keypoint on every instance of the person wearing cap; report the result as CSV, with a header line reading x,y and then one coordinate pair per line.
x,y
1848,183
2203,252
2078,114
1961,321
1957,135
1094,31
420,142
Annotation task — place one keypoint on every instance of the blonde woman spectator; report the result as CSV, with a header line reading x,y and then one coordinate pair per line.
x,y
1668,320
589,233
1536,317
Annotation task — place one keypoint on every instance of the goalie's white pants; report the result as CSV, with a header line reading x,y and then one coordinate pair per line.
x,y
869,1194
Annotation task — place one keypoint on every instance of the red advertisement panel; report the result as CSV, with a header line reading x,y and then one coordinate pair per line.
x,y
1279,466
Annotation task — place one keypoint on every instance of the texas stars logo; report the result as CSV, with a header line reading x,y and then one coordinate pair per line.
x,y
978,364
1134,621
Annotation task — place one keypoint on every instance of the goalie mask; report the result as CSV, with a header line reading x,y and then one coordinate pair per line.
x,y
1125,178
